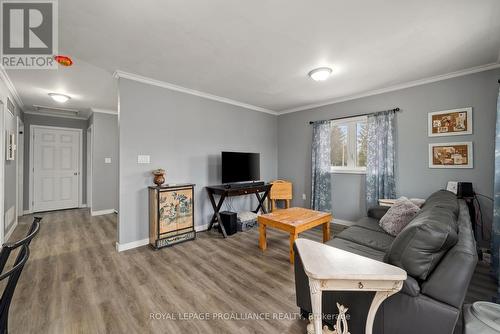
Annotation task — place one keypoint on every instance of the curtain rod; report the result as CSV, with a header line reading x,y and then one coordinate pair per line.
x,y
358,115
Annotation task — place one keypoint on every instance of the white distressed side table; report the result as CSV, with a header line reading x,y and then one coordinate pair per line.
x,y
332,269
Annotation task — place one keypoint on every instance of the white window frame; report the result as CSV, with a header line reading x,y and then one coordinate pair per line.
x,y
351,167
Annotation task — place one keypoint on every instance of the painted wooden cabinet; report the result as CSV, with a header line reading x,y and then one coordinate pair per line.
x,y
171,214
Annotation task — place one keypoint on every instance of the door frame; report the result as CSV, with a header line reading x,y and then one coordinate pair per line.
x,y
2,170
32,155
90,152
20,169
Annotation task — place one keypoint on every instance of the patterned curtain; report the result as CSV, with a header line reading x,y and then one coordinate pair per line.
x,y
495,235
381,159
321,192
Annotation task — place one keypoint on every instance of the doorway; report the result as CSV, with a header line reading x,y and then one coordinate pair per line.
x,y
55,171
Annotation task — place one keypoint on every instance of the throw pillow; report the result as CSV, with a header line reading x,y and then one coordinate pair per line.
x,y
398,216
418,201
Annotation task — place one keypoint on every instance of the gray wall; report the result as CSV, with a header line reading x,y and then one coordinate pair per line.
x,y
58,122
183,134
413,175
10,166
104,176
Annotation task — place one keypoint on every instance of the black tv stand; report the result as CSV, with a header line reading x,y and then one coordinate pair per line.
x,y
242,189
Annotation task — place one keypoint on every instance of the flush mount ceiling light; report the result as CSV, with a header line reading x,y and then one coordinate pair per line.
x,y
61,98
320,74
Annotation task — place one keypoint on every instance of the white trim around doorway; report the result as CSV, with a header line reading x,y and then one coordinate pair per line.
x,y
90,163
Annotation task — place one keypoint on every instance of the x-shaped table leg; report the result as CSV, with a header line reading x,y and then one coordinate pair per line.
x,y
216,215
261,202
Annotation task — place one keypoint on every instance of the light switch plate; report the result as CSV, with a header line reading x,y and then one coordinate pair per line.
x,y
143,159
107,160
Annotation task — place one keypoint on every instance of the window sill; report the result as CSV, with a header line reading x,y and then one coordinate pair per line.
x,y
347,171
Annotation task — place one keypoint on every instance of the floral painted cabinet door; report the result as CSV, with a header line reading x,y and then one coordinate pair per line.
x,y
171,214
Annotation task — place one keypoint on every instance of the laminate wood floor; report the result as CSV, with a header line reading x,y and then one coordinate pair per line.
x,y
76,282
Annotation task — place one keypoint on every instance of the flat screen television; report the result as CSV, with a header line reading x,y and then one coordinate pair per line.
x,y
240,167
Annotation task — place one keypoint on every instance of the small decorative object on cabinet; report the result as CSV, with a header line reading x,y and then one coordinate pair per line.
x,y
159,177
171,214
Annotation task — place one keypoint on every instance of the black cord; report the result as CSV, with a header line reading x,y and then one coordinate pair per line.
x,y
488,197
480,211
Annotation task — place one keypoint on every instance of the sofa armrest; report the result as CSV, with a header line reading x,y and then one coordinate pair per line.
x,y
450,280
411,287
377,212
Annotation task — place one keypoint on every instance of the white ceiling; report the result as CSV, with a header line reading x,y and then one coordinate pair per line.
x,y
259,52
87,85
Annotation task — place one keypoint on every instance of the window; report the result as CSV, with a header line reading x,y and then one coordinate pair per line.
x,y
349,141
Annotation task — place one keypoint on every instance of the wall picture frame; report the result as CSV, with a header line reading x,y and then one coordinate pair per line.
x,y
454,122
451,155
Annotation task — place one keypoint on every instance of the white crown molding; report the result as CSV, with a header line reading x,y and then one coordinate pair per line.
x,y
10,86
104,111
167,85
41,113
415,83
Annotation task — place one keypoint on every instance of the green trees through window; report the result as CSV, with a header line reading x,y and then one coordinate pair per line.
x,y
349,142
339,146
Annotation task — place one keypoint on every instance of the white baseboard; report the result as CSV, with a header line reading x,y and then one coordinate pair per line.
x,y
102,212
116,211
9,233
26,212
143,242
130,245
83,206
201,228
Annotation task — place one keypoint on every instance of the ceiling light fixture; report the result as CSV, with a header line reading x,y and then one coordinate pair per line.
x,y
320,74
61,98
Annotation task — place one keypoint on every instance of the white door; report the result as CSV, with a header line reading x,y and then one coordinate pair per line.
x,y
56,168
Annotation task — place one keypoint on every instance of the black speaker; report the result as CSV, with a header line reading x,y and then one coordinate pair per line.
x,y
229,221
465,190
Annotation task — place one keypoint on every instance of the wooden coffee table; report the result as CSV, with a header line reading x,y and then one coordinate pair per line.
x,y
293,221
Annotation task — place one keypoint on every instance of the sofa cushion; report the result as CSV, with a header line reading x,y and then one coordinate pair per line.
x,y
456,267
377,240
377,212
398,216
443,199
355,248
422,244
369,223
